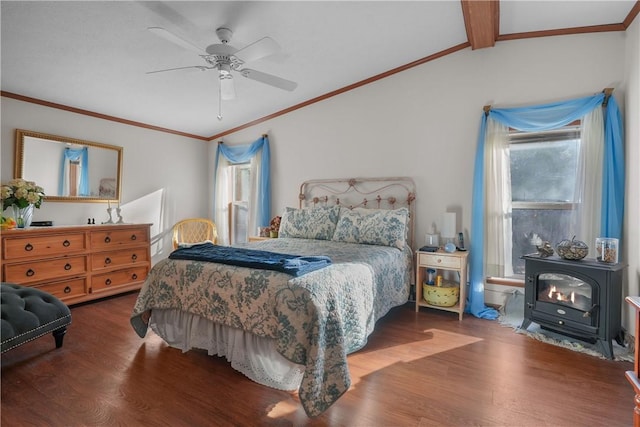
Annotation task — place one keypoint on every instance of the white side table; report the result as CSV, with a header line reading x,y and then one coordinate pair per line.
x,y
441,260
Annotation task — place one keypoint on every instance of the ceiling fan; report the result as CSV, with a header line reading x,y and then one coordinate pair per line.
x,y
228,60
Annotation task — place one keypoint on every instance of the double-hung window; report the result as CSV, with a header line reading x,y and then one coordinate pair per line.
x,y
544,196
239,182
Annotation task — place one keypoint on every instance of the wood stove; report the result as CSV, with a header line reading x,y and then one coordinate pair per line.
x,y
581,299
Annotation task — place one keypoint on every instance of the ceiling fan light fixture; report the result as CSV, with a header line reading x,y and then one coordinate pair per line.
x,y
227,88
225,69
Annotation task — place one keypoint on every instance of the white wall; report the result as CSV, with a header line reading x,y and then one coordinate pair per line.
x,y
631,243
164,176
424,122
421,123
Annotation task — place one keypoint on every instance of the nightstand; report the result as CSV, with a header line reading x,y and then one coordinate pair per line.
x,y
441,260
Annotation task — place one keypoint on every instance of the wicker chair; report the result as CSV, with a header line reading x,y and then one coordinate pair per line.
x,y
194,230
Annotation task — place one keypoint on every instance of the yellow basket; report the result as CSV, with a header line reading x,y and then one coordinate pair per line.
x,y
445,295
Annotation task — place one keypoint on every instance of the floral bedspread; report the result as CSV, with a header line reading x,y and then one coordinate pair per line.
x,y
316,319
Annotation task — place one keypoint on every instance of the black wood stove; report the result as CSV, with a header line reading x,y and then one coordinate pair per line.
x,y
581,299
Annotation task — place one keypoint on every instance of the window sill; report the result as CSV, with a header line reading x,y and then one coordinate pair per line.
x,y
503,281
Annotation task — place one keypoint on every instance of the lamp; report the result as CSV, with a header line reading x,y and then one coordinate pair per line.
x,y
449,227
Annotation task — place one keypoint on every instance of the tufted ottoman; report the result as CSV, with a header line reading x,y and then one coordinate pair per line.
x,y
29,313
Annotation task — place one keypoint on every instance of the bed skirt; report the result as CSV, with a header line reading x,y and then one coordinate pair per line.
x,y
255,357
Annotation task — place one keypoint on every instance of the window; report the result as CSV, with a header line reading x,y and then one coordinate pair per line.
x,y
544,168
239,202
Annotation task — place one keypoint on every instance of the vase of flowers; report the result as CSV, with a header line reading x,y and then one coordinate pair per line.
x,y
22,196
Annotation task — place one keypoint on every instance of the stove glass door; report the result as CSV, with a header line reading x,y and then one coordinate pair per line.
x,y
564,290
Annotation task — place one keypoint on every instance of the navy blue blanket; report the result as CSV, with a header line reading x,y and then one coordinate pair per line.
x,y
291,264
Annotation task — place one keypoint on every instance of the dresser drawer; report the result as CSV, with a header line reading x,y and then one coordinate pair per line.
x,y
30,272
113,279
42,246
66,289
119,238
439,261
121,258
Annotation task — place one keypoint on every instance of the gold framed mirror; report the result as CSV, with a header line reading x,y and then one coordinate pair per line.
x,y
69,169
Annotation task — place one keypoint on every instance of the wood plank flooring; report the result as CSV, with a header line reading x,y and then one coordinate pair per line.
x,y
418,369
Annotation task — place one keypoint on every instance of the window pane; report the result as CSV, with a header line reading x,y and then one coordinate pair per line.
x,y
544,171
530,226
239,232
241,183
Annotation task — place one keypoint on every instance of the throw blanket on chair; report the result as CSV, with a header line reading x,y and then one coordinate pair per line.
x,y
291,264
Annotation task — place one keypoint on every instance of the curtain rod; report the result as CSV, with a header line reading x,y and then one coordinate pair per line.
x,y
607,94
264,135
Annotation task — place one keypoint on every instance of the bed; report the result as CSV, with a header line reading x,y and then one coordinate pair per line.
x,y
287,331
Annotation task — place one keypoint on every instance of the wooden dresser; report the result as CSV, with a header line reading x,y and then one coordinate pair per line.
x,y
77,263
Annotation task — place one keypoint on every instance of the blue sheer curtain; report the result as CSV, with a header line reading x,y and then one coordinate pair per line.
x,y
242,154
538,118
80,155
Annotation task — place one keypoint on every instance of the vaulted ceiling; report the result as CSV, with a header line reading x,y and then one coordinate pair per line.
x,y
94,56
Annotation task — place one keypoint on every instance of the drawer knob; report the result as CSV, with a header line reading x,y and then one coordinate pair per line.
x,y
133,237
107,260
67,289
30,272
134,276
134,257
107,282
28,247
439,261
67,266
66,243
107,239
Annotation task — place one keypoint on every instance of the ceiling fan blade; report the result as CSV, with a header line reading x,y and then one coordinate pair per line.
x,y
168,35
227,88
269,79
264,47
191,67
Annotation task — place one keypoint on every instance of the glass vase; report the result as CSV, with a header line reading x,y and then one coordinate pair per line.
x,y
23,216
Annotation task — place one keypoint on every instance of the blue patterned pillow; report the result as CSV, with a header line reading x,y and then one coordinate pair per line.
x,y
373,227
310,223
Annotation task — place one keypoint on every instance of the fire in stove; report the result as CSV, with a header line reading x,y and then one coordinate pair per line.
x,y
570,298
554,294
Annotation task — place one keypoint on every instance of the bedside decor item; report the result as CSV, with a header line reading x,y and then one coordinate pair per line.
x,y
450,247
445,294
274,226
607,250
545,249
22,196
432,238
449,227
572,249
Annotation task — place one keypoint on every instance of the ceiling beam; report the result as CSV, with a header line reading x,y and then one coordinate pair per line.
x,y
482,21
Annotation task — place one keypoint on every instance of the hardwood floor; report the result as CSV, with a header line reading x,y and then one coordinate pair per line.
x,y
418,369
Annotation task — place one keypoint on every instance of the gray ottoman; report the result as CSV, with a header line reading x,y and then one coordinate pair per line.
x,y
29,313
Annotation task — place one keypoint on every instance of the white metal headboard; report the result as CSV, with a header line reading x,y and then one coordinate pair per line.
x,y
370,193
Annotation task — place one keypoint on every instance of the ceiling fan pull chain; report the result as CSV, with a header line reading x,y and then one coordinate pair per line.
x,y
220,102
